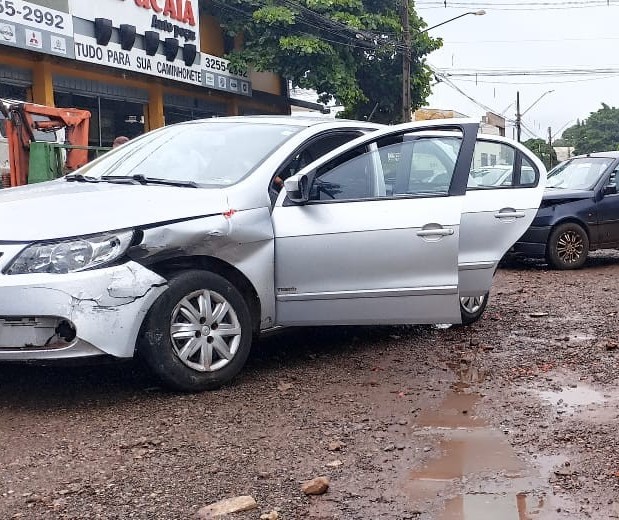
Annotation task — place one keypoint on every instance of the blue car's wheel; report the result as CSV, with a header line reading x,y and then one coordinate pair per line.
x,y
568,246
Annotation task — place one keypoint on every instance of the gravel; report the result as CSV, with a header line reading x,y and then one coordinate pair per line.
x,y
106,441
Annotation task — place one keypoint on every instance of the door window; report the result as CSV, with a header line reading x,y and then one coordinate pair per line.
x,y
391,167
498,165
528,173
350,180
317,148
432,165
492,174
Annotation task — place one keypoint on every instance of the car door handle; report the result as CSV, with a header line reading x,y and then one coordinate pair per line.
x,y
442,232
509,214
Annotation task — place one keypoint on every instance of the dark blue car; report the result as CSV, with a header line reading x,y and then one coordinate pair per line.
x,y
579,212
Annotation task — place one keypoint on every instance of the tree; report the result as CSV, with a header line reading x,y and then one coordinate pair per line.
x,y
598,133
349,51
541,148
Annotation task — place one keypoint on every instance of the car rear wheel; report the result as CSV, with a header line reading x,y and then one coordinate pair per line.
x,y
472,308
568,246
197,335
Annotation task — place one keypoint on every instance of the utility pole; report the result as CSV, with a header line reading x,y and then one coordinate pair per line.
x,y
518,117
406,64
549,147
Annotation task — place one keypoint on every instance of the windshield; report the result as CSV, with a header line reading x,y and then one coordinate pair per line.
x,y
578,174
206,153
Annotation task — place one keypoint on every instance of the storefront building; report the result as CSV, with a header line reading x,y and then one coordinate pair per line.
x,y
135,65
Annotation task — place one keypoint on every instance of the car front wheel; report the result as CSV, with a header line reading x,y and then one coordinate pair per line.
x,y
568,246
472,308
197,335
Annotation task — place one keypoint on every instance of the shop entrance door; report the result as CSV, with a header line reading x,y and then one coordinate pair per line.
x,y
110,117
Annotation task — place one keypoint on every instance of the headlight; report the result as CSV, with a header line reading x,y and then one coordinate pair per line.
x,y
69,256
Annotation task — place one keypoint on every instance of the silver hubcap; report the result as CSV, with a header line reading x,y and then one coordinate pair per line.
x,y
570,247
472,304
205,331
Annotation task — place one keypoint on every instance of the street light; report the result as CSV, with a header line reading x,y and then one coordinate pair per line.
x,y
481,12
520,114
406,55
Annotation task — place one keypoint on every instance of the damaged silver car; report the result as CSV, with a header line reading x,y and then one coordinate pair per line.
x,y
184,244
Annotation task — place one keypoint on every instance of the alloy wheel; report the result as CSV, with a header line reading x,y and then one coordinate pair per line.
x,y
205,331
472,304
570,247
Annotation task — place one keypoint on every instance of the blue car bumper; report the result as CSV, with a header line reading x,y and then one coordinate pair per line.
x,y
533,242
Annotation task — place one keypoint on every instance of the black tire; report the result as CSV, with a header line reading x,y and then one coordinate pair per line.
x,y
471,309
568,246
160,350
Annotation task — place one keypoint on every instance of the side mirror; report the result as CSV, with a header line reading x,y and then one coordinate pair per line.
x,y
297,188
610,189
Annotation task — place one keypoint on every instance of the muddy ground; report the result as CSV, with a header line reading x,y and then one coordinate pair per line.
x,y
514,418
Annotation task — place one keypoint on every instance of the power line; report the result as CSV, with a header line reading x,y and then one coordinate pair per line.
x,y
443,79
559,3
357,40
548,72
485,107
562,40
521,6
547,82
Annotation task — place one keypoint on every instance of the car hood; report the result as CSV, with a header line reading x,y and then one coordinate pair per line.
x,y
60,209
562,195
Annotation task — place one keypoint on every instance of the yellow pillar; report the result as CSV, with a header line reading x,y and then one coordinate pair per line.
x,y
42,84
153,112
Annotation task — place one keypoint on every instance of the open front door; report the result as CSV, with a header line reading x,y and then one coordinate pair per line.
x,y
378,239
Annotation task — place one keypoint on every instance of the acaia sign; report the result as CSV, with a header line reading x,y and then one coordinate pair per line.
x,y
179,10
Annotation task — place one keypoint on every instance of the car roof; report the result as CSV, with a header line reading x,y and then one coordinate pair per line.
x,y
612,154
290,120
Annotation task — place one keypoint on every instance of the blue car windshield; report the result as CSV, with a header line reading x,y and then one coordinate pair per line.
x,y
581,173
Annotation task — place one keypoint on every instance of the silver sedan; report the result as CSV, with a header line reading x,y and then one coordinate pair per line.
x,y
185,243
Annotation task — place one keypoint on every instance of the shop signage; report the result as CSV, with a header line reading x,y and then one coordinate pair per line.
x,y
30,26
156,37
169,18
136,60
216,74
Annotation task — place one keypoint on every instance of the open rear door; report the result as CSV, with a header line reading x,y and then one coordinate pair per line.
x,y
504,192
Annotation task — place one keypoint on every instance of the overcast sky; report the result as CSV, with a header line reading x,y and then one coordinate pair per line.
x,y
540,37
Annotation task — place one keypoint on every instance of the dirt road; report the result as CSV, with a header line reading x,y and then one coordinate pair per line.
x,y
513,418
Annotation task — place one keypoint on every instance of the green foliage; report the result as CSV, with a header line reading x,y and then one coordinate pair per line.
x,y
541,148
598,133
349,51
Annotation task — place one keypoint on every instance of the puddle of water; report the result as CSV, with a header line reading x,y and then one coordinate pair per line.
x,y
471,452
491,507
582,395
456,411
477,467
584,402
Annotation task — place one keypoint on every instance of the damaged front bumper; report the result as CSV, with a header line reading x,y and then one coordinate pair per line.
x,y
89,313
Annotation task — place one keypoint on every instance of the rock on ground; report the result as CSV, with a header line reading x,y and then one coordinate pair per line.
x,y
226,507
